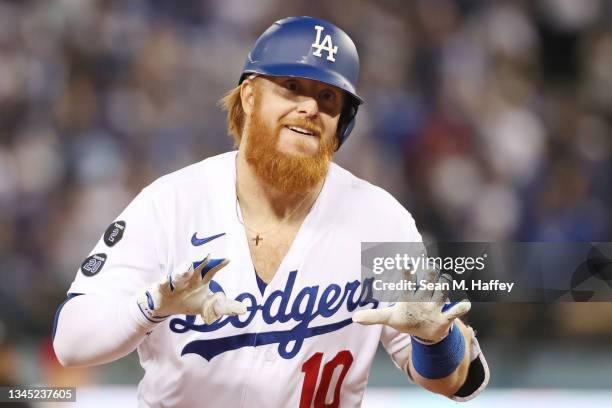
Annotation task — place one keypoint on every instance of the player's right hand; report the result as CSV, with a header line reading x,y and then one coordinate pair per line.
x,y
185,291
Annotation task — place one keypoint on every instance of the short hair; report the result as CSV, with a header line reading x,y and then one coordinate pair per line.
x,y
232,103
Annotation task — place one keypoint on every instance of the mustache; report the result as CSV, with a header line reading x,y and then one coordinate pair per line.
x,y
309,125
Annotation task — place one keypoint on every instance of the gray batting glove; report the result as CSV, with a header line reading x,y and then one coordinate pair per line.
x,y
186,291
421,313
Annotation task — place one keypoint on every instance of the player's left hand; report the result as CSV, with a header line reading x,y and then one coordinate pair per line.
x,y
422,313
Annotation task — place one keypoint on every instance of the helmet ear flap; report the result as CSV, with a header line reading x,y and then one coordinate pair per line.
x,y
346,123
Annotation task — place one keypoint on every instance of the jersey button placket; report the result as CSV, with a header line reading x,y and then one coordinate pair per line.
x,y
270,353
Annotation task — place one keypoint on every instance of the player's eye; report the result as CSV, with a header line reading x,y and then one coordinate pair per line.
x,y
327,95
292,85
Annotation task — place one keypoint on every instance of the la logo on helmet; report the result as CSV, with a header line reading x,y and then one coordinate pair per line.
x,y
327,45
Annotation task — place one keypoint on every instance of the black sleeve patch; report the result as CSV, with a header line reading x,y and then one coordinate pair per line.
x,y
475,378
114,233
93,264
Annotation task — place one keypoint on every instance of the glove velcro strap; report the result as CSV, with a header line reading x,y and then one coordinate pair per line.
x,y
434,361
146,307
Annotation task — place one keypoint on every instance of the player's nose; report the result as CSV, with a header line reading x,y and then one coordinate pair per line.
x,y
308,106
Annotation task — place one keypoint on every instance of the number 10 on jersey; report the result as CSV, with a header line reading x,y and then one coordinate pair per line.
x,y
311,368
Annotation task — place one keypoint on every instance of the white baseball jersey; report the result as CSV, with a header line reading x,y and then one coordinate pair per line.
x,y
296,345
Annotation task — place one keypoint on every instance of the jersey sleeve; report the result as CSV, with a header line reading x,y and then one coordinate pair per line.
x,y
129,256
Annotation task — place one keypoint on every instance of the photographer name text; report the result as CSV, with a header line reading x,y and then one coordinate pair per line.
x,y
493,285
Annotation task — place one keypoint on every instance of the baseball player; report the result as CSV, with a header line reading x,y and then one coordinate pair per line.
x,y
237,278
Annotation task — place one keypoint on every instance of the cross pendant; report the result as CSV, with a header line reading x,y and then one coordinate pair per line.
x,y
257,239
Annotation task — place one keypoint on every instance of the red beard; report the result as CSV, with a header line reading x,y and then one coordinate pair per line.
x,y
284,172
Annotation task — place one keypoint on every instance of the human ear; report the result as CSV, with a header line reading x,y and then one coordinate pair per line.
x,y
247,95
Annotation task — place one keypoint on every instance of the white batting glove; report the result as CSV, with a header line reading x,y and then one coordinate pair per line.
x,y
419,313
185,291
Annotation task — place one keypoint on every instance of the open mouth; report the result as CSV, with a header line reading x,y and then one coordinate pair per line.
x,y
300,130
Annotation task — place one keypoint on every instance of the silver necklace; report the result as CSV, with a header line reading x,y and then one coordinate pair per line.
x,y
258,235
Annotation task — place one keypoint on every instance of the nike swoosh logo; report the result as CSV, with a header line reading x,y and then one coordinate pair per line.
x,y
195,241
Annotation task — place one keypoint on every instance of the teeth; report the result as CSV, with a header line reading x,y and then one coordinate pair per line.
x,y
300,130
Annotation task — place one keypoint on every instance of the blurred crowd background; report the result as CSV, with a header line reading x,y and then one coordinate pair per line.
x,y
489,121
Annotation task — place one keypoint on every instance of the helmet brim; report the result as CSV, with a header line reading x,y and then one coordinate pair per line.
x,y
307,72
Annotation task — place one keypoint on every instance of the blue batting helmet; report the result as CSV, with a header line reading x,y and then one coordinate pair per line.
x,y
310,48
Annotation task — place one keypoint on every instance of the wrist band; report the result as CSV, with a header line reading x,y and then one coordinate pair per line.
x,y
434,361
